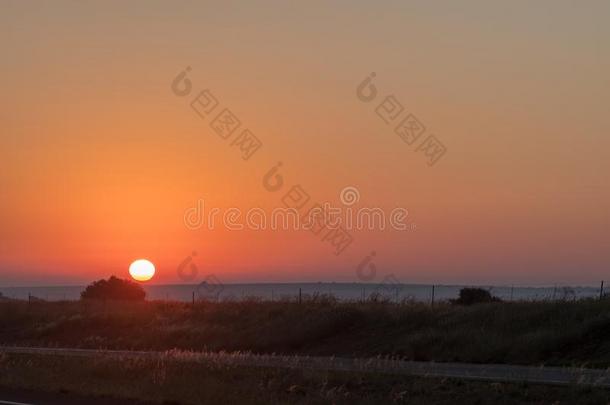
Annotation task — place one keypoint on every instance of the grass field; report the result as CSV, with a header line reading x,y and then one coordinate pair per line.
x,y
172,381
550,333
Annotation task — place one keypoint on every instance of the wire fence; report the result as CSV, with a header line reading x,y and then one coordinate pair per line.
x,y
396,292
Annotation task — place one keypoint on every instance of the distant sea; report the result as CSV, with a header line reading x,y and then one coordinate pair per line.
x,y
342,291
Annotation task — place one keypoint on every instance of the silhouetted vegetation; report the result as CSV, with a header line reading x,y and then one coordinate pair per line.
x,y
471,296
114,289
552,333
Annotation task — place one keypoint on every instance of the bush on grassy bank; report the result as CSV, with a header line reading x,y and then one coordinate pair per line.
x,y
471,296
114,289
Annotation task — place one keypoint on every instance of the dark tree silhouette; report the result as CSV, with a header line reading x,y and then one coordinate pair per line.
x,y
114,289
470,296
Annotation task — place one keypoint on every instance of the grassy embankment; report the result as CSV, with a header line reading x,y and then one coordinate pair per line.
x,y
180,381
550,333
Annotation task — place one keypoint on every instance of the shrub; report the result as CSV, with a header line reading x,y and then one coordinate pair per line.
x,y
470,296
114,289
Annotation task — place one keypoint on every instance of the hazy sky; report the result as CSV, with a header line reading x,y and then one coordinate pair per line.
x,y
100,159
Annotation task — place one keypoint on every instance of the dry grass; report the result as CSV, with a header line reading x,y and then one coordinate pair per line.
x,y
176,379
551,333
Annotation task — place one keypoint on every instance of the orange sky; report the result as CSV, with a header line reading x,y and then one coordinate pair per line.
x,y
101,159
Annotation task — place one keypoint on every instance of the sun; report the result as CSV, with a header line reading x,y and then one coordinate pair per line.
x,y
142,270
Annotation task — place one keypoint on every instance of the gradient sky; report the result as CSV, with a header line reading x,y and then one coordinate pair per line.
x,y
100,159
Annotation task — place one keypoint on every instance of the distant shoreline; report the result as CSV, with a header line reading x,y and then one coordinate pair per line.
x,y
339,290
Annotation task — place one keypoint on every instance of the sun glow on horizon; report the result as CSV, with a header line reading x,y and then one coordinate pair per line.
x,y
142,270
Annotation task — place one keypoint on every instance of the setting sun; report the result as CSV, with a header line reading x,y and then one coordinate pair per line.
x,y
142,270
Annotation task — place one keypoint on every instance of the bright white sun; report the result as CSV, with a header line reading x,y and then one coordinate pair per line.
x,y
142,270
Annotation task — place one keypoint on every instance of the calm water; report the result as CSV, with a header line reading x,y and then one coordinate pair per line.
x,y
343,291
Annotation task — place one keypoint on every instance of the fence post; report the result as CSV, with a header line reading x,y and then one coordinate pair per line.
x,y
300,296
432,302
193,298
601,290
511,292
